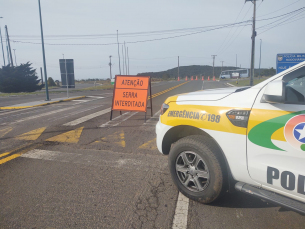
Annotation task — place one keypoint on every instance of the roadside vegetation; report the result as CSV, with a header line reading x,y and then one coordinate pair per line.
x,y
246,82
51,82
201,70
21,78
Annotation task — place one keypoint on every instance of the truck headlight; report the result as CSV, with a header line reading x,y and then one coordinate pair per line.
x,y
239,117
164,108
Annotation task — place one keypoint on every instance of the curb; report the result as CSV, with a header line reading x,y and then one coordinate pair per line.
x,y
43,104
231,85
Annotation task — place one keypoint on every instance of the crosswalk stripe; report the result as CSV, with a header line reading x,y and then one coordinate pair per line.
x,y
91,96
41,115
68,137
31,135
88,117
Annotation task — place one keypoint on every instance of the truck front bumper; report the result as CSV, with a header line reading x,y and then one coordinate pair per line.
x,y
161,130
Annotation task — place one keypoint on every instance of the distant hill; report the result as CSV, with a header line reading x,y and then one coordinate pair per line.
x,y
198,70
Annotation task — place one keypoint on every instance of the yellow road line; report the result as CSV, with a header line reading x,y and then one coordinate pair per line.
x,y
4,154
167,90
9,158
43,104
149,145
15,155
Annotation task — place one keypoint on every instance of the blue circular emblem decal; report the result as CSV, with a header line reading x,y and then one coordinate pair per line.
x,y
299,132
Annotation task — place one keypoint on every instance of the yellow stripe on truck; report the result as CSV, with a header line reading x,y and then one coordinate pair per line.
x,y
204,117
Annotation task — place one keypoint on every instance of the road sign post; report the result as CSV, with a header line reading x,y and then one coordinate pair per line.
x,y
130,94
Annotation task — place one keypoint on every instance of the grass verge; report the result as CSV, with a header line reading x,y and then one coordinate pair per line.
x,y
246,82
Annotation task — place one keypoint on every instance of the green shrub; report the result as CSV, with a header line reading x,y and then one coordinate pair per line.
x,y
22,78
51,82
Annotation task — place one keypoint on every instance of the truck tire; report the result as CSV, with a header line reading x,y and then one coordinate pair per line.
x,y
198,168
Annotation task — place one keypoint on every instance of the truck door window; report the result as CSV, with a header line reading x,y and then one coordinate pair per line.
x,y
295,91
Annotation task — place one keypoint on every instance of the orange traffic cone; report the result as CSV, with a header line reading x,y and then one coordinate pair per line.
x,y
178,78
192,78
213,78
208,78
186,78
202,78
196,77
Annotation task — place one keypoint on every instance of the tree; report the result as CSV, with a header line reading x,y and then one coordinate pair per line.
x,y
20,78
51,82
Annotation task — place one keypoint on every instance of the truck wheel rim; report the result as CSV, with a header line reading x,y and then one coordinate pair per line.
x,y
192,171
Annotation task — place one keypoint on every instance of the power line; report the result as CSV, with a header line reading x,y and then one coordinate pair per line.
x,y
140,41
279,24
289,15
278,9
231,28
228,43
282,15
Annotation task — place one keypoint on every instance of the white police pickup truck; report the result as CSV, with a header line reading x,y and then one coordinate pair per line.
x,y
250,138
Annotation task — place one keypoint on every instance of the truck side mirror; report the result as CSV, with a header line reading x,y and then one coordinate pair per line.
x,y
274,92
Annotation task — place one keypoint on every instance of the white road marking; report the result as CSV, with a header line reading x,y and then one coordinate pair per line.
x,y
153,118
74,113
181,212
44,114
88,117
125,119
81,100
108,158
99,97
109,123
119,118
202,85
230,84
45,154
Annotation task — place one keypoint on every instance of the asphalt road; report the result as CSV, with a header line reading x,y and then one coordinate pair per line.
x,y
67,166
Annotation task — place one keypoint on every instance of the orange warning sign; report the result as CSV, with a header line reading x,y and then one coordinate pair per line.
x,y
130,93
132,82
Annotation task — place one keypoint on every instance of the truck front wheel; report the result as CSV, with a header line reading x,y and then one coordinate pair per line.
x,y
197,168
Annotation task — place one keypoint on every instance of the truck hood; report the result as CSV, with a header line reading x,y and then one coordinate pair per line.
x,y
208,95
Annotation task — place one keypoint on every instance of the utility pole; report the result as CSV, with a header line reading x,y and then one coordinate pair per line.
x,y
128,60
9,46
41,75
236,60
15,56
43,55
117,37
110,67
213,63
125,58
221,65
178,68
260,58
8,55
2,47
253,42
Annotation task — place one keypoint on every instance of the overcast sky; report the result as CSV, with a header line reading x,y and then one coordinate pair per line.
x,y
93,17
